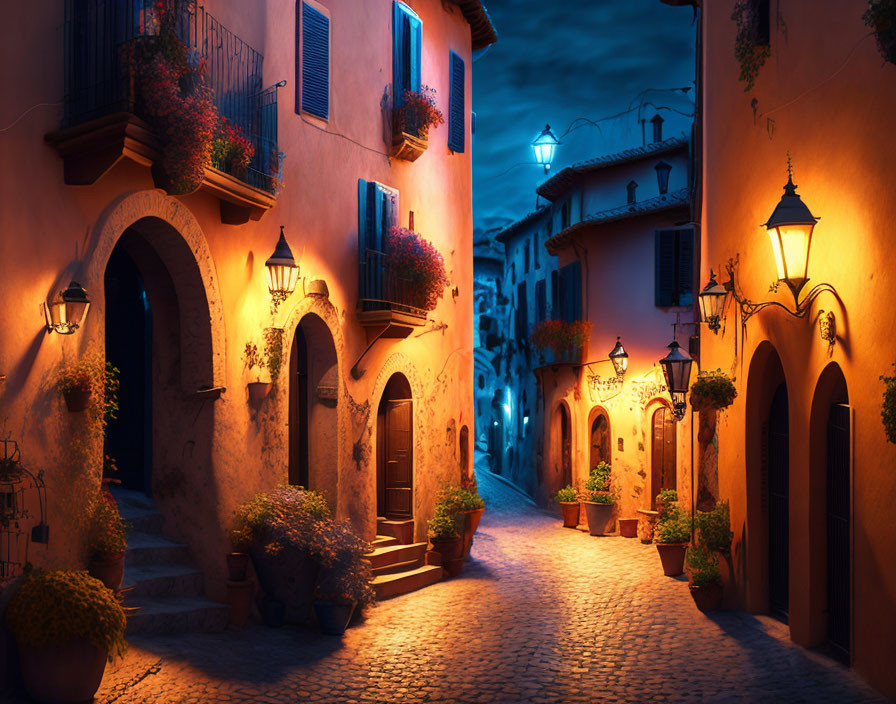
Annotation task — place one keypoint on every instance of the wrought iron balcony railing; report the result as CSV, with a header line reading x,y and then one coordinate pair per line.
x,y
383,288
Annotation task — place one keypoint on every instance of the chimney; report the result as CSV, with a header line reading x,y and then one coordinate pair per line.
x,y
657,123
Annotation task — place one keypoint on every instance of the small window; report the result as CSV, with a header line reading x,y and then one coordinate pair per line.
x,y
631,190
674,267
536,246
315,63
522,313
565,217
456,104
377,214
570,292
540,301
555,295
407,39
526,256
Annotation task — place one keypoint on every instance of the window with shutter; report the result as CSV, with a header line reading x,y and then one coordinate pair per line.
x,y
540,301
407,41
315,68
570,292
522,309
674,267
555,295
377,214
456,101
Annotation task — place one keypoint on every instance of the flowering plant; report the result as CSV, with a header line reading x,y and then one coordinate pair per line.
x,y
415,270
92,373
419,112
566,495
107,533
712,391
560,335
347,578
231,151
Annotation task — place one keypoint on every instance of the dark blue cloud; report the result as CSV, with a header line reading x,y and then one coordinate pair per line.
x,y
562,59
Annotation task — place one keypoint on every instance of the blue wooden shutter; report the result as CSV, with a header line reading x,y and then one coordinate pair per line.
x,y
315,62
555,295
456,102
407,41
571,291
666,288
364,226
685,271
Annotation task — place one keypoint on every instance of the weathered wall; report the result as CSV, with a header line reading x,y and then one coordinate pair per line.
x,y
825,96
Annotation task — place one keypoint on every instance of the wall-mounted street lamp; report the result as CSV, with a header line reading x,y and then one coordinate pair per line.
x,y
283,272
619,358
66,312
677,370
662,176
790,229
544,146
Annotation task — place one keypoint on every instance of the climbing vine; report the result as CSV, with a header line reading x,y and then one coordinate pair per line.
x,y
751,49
881,18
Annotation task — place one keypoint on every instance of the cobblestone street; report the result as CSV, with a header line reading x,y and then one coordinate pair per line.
x,y
540,614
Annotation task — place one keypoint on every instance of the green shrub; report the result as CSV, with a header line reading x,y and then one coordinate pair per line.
x,y
599,479
675,529
606,498
56,607
567,494
456,499
107,531
888,408
714,528
443,525
665,499
712,391
703,566
346,578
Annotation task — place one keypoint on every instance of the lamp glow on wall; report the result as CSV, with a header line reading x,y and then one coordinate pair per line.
x,y
619,358
282,270
66,312
544,146
677,371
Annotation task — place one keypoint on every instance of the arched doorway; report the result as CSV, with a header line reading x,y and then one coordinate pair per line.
x,y
395,442
663,454
777,441
128,439
313,394
560,449
600,438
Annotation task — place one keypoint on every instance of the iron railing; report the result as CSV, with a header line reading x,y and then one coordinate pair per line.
x,y
98,82
381,287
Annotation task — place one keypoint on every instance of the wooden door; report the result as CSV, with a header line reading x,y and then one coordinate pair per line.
x,y
664,459
396,460
778,506
838,502
600,441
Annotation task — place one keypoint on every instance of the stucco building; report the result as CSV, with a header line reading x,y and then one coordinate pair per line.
x,y
373,403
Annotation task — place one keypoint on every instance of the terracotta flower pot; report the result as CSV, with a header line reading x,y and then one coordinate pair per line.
x,y
257,391
471,523
707,598
237,566
239,596
64,674
333,617
109,569
628,527
76,400
450,550
599,516
672,557
570,511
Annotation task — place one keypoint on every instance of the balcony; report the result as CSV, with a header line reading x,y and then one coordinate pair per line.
x,y
104,121
386,301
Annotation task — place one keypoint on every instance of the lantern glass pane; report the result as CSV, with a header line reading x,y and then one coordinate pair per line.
x,y
76,310
794,243
620,364
776,250
58,317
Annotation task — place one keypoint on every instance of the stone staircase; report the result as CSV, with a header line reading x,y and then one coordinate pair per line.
x,y
162,583
399,564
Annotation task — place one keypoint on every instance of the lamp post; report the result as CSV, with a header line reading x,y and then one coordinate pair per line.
x,y
282,270
677,371
619,358
544,146
712,303
66,312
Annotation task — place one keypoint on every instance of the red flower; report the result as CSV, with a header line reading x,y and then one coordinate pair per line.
x,y
419,112
415,269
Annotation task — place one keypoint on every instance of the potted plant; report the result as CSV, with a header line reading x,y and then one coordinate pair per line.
x,y
344,583
67,625
258,389
467,505
413,120
445,539
231,151
713,538
888,408
567,340
287,541
568,498
628,527
713,390
881,18
89,378
240,589
106,541
599,500
415,270
672,533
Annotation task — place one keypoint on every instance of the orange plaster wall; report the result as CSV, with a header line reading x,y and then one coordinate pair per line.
x,y
825,96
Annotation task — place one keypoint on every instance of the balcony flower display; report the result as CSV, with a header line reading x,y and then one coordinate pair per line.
x,y
419,112
231,151
415,270
560,336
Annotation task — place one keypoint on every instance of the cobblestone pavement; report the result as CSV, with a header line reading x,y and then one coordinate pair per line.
x,y
540,614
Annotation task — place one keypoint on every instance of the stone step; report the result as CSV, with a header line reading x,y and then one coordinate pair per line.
x,y
138,510
403,530
180,614
390,585
148,580
150,548
382,541
394,554
398,567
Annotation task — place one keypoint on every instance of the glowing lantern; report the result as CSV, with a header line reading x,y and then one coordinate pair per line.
x,y
619,358
677,370
66,312
712,303
544,146
662,176
790,231
283,272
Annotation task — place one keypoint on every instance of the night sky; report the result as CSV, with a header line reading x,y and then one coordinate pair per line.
x,y
556,61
